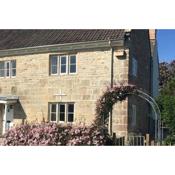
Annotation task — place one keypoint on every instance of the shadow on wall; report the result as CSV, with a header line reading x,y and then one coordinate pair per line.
x,y
19,112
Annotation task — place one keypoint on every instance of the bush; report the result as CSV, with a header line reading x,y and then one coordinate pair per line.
x,y
55,134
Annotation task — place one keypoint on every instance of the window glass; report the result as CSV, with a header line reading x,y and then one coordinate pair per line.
x,y
53,117
63,64
54,64
73,59
62,112
1,69
70,113
53,112
13,63
70,107
13,68
72,65
70,118
7,68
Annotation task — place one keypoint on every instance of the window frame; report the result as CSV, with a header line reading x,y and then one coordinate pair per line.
x,y
67,65
50,59
58,112
12,68
50,112
73,64
65,73
5,62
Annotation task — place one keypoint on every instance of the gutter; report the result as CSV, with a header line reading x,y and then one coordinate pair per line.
x,y
112,83
62,47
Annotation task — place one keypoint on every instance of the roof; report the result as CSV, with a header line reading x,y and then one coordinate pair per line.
x,y
13,39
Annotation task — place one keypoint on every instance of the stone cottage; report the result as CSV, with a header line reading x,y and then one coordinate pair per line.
x,y
58,75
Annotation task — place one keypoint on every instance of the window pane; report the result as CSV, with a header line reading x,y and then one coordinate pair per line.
x,y
63,60
7,69
13,63
62,108
72,59
54,69
62,117
62,112
54,64
53,116
63,68
72,68
1,73
53,108
13,72
1,65
53,60
70,107
70,117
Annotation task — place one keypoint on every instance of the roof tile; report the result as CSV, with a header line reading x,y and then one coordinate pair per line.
x,y
10,39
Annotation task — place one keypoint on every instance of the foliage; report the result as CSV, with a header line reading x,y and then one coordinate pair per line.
x,y
109,98
166,102
167,72
55,134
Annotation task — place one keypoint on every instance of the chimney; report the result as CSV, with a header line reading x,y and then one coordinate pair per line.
x,y
152,34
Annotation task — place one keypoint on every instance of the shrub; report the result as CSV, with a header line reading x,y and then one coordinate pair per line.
x,y
55,134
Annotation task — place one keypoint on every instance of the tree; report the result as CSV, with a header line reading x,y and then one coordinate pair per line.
x,y
167,72
166,102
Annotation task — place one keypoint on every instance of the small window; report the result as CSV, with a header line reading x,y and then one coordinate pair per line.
x,y
2,70
70,117
54,65
133,117
72,64
13,68
134,67
53,112
63,65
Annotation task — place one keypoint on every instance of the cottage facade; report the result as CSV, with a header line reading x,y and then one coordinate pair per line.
x,y
58,75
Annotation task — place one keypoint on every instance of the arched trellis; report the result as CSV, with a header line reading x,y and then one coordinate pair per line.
x,y
119,93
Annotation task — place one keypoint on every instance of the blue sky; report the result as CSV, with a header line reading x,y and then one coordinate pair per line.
x,y
166,45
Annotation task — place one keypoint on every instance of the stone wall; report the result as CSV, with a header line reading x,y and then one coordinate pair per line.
x,y
120,109
36,88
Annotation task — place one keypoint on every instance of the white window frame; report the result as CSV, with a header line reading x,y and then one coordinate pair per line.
x,y
58,112
65,73
134,67
73,64
134,115
9,70
51,64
